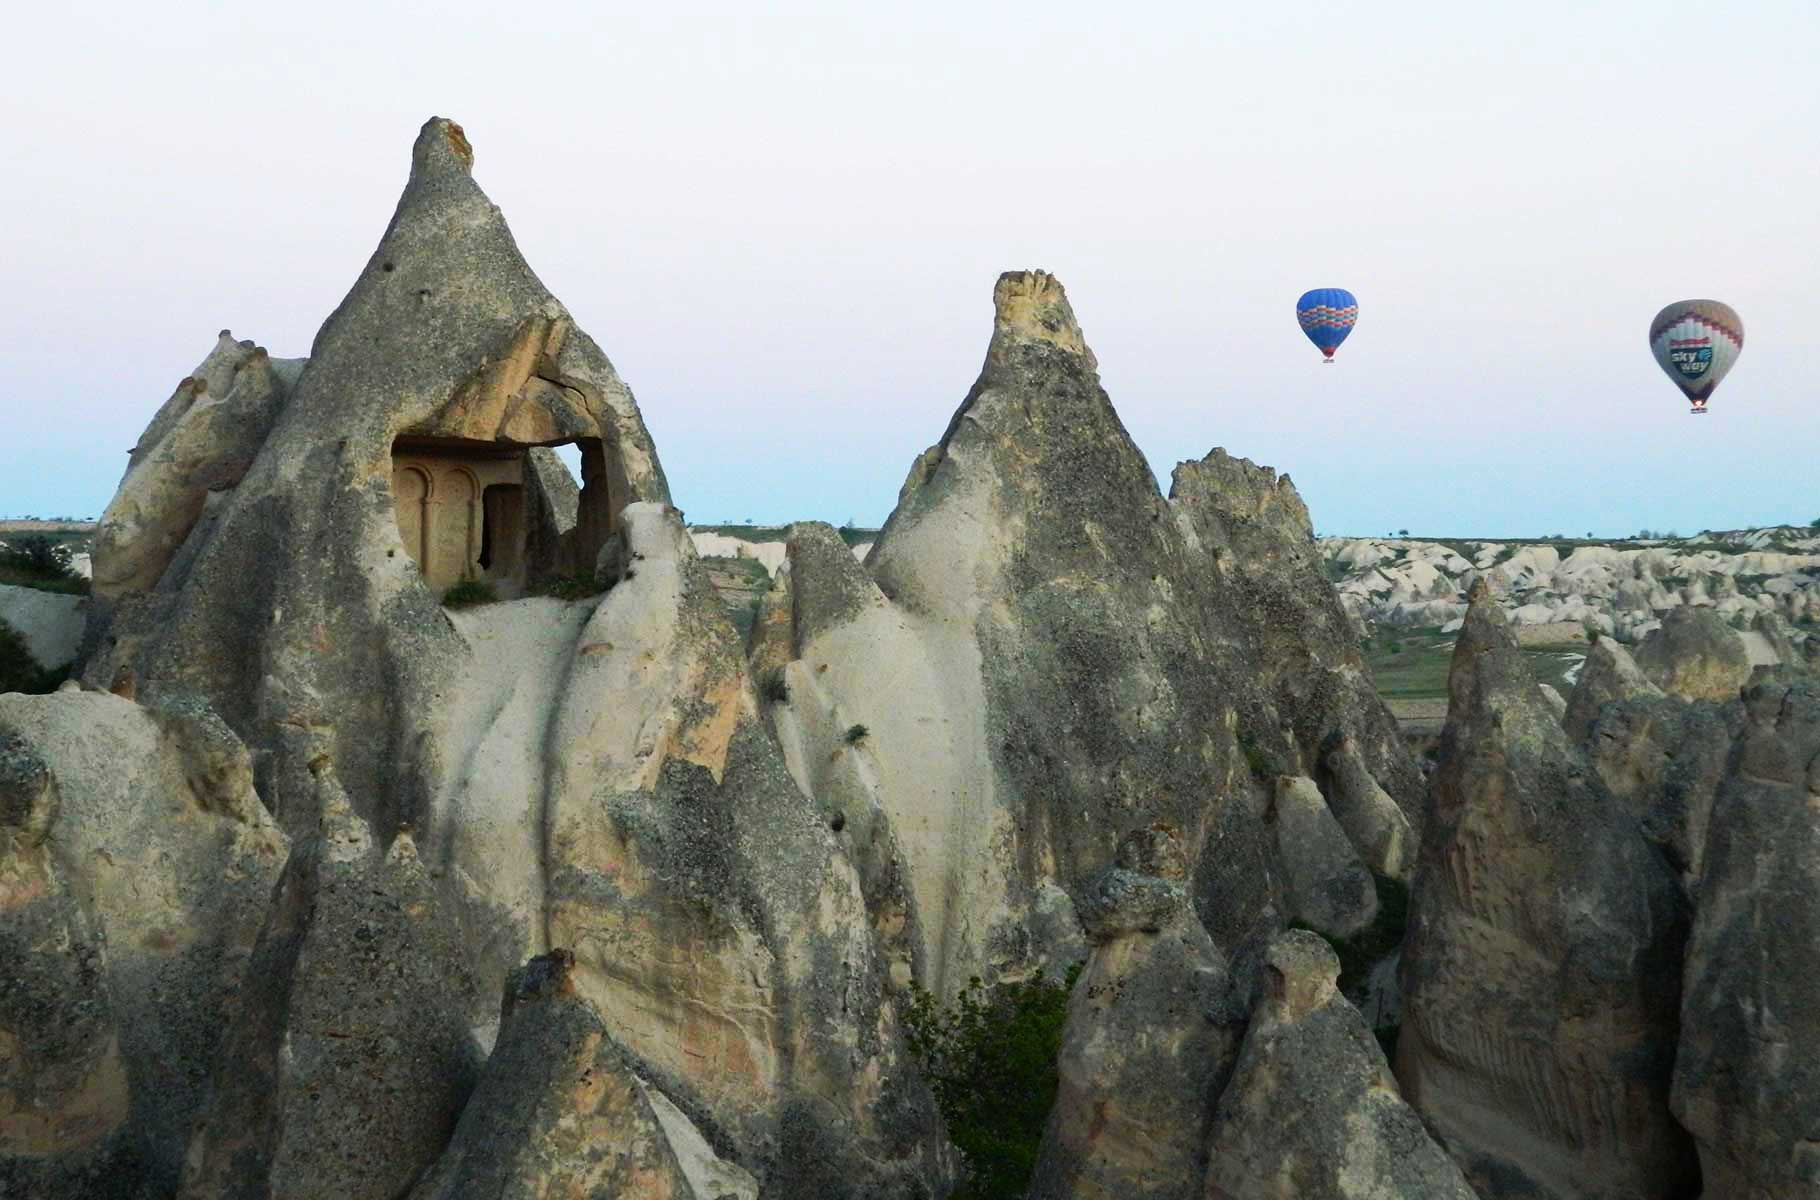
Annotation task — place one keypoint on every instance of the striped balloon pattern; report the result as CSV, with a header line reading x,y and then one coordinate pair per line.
x,y
1327,315
1696,342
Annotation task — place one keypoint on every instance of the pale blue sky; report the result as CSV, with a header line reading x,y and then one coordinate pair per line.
x,y
783,223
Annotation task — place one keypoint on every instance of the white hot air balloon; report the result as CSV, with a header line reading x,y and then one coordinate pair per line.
x,y
1696,342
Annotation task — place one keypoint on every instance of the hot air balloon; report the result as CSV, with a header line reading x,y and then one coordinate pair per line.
x,y
1696,342
1327,315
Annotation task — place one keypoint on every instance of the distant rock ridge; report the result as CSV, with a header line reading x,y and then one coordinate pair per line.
x,y
1621,588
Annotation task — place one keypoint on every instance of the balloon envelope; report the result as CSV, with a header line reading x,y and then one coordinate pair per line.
x,y
1696,342
1327,315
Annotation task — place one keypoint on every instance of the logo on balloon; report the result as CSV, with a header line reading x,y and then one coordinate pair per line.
x,y
1691,361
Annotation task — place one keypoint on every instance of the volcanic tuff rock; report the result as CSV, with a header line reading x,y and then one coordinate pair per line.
x,y
561,1111
1312,1112
1277,625
591,773
64,1098
1149,1039
145,834
50,623
1326,887
1542,966
1696,655
358,994
1042,654
1747,1075
1621,589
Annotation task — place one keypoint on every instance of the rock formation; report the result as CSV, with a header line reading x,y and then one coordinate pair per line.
x,y
1695,655
266,874
1044,650
562,1111
538,773
1149,1041
140,848
1747,1074
1541,974
1312,1112
1624,588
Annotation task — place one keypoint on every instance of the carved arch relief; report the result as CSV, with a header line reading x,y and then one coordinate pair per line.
x,y
461,512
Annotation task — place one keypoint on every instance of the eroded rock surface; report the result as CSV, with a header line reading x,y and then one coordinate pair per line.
x,y
585,770
1149,1039
1541,974
1695,655
1747,1074
159,860
1312,1112
560,1111
352,1054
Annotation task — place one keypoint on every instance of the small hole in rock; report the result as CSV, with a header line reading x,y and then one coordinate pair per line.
x,y
838,822
386,267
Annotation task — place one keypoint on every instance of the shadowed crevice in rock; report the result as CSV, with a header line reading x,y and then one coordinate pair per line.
x,y
1538,901
1747,1074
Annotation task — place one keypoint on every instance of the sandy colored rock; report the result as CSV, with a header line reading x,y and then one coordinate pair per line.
x,y
158,835
559,1110
1501,965
203,440
1311,1111
1373,822
1608,674
1695,655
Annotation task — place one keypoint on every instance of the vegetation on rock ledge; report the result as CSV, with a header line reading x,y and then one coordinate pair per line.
x,y
990,1059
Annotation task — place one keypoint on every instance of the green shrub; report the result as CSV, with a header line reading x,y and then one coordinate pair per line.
x,y
468,593
19,671
989,1057
562,587
1261,762
774,687
38,562
857,734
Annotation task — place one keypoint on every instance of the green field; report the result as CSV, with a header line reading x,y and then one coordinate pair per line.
x,y
1412,664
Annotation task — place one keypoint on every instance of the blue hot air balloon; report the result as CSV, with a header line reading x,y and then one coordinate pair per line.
x,y
1327,315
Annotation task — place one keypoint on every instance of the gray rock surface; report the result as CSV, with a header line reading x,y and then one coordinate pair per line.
x,y
158,839
1150,1036
351,1056
1326,887
589,773
50,623
1538,904
1609,674
1311,1111
1280,627
1045,650
64,1098
1747,1073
